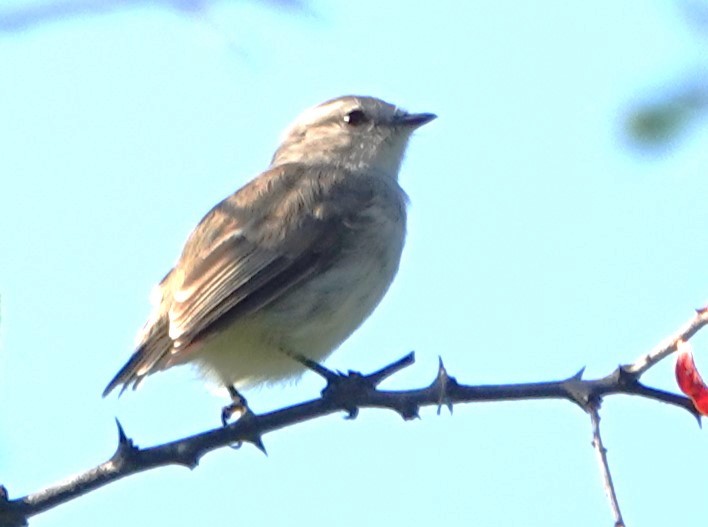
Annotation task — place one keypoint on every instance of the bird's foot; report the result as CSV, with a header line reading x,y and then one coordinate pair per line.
x,y
350,390
238,405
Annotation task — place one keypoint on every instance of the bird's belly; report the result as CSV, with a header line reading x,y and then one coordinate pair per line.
x,y
311,320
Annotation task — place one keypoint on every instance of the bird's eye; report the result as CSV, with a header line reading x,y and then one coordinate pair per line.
x,y
355,118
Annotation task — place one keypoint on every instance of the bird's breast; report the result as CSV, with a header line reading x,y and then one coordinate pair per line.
x,y
316,316
323,311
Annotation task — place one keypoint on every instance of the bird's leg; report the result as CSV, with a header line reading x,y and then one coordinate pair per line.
x,y
332,377
326,374
238,404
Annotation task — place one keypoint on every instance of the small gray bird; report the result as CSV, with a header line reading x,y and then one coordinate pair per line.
x,y
292,263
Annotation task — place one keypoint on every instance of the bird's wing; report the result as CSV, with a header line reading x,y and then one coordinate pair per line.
x,y
253,247
283,227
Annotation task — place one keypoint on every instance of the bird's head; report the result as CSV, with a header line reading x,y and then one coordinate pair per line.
x,y
357,133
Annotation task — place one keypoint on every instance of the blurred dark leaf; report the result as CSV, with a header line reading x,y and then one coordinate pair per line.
x,y
659,124
696,14
39,11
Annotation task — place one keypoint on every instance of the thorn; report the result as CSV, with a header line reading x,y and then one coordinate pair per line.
x,y
126,448
408,414
448,405
443,379
122,438
249,420
246,419
441,366
578,376
442,384
258,443
352,413
577,391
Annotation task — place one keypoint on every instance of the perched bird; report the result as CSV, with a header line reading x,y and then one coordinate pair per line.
x,y
291,264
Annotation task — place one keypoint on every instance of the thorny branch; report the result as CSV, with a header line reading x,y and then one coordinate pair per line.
x,y
350,392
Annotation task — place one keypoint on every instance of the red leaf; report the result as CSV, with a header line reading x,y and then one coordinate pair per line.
x,y
688,378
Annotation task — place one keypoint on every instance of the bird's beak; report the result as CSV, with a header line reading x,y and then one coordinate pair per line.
x,y
414,120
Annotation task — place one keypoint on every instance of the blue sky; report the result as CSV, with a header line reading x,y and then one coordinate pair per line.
x,y
539,242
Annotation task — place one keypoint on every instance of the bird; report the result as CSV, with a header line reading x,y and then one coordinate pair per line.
x,y
285,269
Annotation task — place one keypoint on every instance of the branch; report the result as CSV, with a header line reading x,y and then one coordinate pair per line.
x,y
350,392
668,345
601,452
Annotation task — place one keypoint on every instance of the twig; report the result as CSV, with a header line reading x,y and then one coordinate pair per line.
x,y
601,452
668,345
